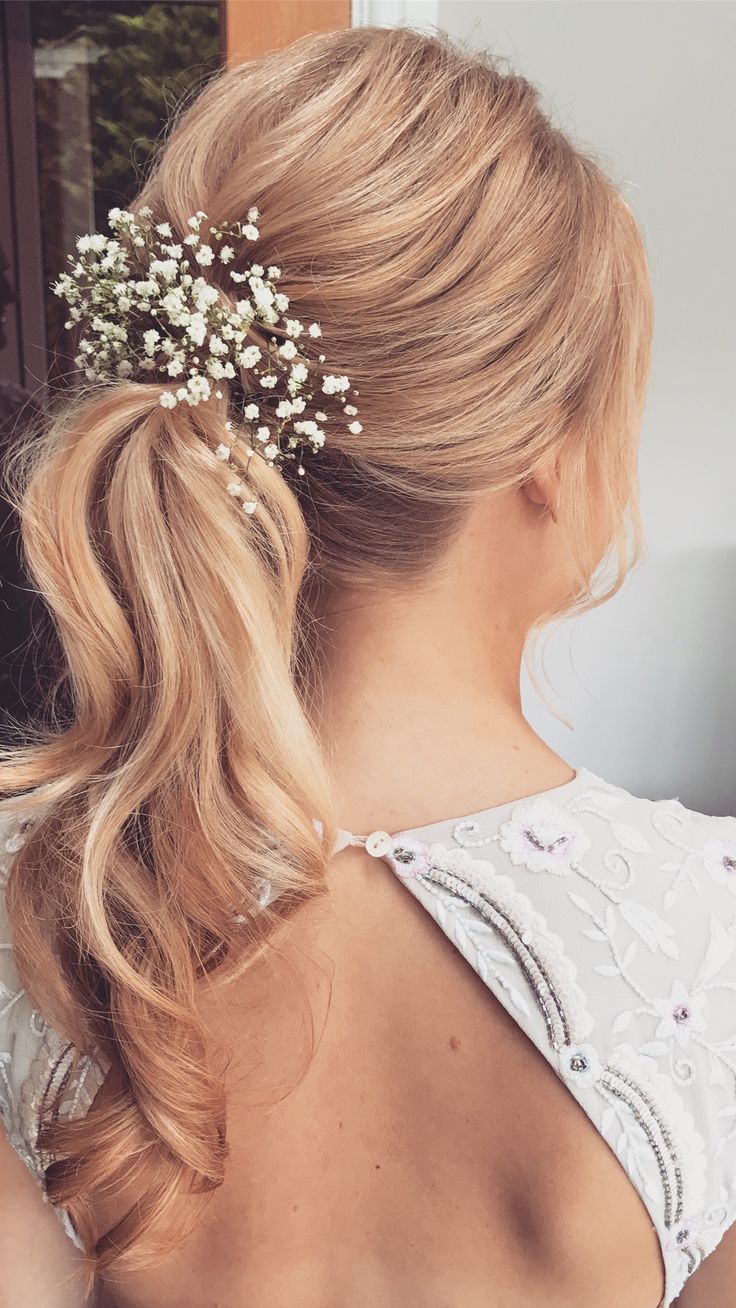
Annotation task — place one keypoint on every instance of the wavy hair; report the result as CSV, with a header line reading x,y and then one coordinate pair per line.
x,y
484,284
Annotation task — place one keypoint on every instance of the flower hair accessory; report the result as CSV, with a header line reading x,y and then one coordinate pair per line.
x,y
149,313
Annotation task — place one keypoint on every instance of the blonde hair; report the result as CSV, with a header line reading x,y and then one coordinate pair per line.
x,y
484,285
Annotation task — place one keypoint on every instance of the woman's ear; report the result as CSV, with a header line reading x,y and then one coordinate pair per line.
x,y
543,488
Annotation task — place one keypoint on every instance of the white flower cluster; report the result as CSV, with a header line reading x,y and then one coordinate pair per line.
x,y
147,310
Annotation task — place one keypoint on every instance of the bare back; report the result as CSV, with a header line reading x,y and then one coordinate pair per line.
x,y
426,1154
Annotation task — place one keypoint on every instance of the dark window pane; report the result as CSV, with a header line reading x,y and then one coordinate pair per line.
x,y
107,77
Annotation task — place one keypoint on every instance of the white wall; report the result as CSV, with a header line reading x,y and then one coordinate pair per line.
x,y
649,681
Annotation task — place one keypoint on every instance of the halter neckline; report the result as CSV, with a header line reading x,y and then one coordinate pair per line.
x,y
345,839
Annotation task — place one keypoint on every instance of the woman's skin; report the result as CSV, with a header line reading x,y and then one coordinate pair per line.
x,y
425,1155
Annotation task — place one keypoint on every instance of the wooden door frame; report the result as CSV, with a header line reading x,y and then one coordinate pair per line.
x,y
253,27
24,358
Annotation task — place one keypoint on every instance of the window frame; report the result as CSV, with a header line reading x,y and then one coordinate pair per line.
x,y
24,359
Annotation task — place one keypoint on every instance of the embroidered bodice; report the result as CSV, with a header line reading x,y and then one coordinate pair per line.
x,y
605,925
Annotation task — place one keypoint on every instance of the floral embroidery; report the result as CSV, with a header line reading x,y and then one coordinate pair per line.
x,y
543,838
411,857
682,1014
525,932
719,857
632,938
680,830
580,1065
667,981
12,840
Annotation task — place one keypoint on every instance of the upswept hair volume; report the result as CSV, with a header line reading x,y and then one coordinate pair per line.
x,y
484,285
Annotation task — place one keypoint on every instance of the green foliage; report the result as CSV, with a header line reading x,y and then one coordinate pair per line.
x,y
127,69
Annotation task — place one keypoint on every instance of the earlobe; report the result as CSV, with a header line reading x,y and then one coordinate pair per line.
x,y
535,491
540,495
542,488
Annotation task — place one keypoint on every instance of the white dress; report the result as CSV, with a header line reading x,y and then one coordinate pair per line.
x,y
605,925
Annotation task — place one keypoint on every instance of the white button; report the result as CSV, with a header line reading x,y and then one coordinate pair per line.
x,y
378,843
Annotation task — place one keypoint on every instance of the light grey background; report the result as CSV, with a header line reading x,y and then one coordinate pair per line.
x,y
648,682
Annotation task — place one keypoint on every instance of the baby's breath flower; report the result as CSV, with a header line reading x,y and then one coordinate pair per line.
x,y
332,384
262,295
197,328
219,370
249,358
204,295
147,312
165,268
199,388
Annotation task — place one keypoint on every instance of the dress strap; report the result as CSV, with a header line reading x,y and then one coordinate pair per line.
x,y
344,839
377,844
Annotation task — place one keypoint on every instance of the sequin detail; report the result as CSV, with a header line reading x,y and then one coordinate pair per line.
x,y
605,925
671,991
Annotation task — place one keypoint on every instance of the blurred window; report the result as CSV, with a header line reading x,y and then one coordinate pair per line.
x,y
107,76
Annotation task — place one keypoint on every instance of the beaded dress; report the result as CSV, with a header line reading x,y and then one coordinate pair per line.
x,y
605,924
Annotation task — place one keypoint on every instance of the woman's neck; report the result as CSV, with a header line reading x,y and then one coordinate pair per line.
x,y
419,708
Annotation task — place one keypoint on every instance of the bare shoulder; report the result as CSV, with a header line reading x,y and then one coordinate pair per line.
x,y
41,1268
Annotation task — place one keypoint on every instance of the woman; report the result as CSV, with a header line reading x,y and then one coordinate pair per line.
x,y
243,1062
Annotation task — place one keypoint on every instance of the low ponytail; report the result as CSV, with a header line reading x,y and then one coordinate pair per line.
x,y
490,325
185,779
